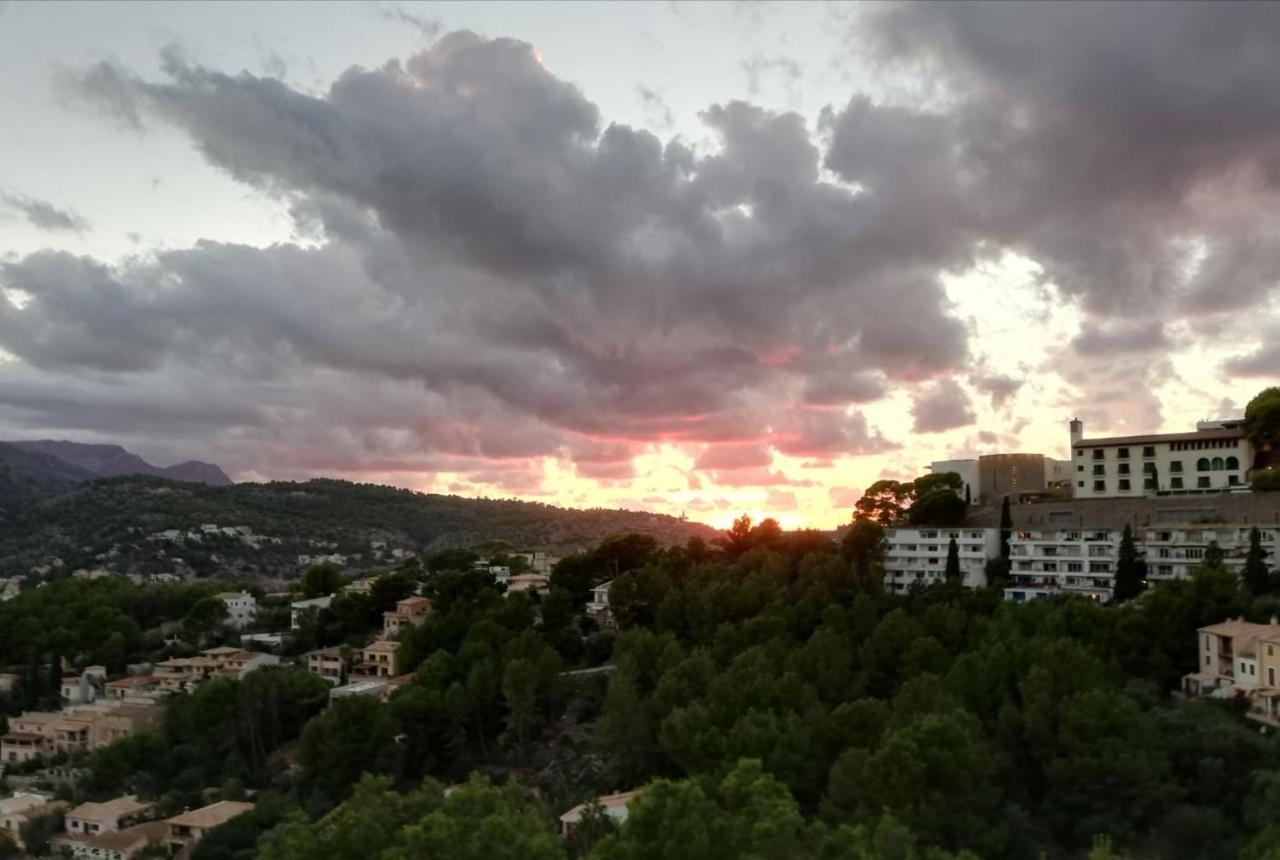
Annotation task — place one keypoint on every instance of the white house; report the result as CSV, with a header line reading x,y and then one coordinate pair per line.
x,y
242,608
299,608
599,608
615,806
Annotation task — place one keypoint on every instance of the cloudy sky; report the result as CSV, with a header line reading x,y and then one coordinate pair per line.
x,y
690,258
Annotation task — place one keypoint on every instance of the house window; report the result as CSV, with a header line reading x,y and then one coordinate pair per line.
x,y
1176,483
1233,480
1122,453
1203,482
1080,468
1148,483
1124,468
1233,463
1202,465
1099,486
1218,464
1099,469
1175,465
1074,566
1080,484
1099,453
1079,452
1124,483
1148,450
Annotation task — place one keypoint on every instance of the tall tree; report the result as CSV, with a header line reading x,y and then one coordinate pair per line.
x,y
1214,556
863,545
1256,577
952,572
884,501
1262,425
1131,571
1006,528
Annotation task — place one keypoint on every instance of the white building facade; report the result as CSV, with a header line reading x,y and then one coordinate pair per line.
x,y
1173,552
1046,562
918,556
1216,458
242,608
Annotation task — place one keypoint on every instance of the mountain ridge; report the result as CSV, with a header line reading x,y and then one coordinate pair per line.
x,y
115,461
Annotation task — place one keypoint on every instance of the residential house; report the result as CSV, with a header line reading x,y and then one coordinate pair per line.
x,y
300,609
132,687
186,830
21,807
1239,659
1043,562
410,612
88,727
332,664
92,818
242,608
615,806
598,607
379,659
112,844
533,582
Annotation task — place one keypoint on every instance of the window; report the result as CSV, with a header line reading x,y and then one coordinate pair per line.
x,y
1099,469
1080,468
1203,482
1100,486
1202,465
1233,463
1099,453
1176,483
1218,464
1148,450
1075,566
1124,468
1175,465
1079,452
1080,484
1195,553
1124,483
1122,453
1233,480
1148,483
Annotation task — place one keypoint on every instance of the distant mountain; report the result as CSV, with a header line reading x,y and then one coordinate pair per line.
x,y
28,475
112,461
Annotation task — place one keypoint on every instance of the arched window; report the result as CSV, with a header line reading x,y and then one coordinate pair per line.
x,y
1202,465
1218,465
1233,463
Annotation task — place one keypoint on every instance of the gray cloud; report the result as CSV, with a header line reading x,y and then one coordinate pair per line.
x,y
43,214
1263,362
1121,337
943,405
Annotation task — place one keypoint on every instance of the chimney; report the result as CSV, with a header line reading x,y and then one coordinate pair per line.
x,y
1077,430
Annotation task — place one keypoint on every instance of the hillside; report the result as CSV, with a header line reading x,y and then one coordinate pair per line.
x,y
121,524
113,461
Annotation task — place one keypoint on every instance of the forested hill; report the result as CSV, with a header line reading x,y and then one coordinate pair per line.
x,y
115,522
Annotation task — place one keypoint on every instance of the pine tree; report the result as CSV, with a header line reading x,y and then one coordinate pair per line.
x,y
953,573
1257,579
1214,556
1131,572
1006,528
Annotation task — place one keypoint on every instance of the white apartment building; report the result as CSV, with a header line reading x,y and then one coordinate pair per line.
x,y
1045,562
919,555
1173,552
298,609
1216,458
242,608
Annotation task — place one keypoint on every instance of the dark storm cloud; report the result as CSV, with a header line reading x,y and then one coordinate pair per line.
x,y
481,234
508,276
944,405
1113,143
43,214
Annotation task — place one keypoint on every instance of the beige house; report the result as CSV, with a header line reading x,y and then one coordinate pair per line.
x,y
186,830
379,659
535,582
113,844
21,807
329,663
1239,659
409,612
89,727
89,819
615,806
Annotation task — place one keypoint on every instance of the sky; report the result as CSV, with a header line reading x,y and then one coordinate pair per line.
x,y
700,259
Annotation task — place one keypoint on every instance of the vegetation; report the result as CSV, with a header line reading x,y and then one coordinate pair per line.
x,y
1262,425
1131,571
